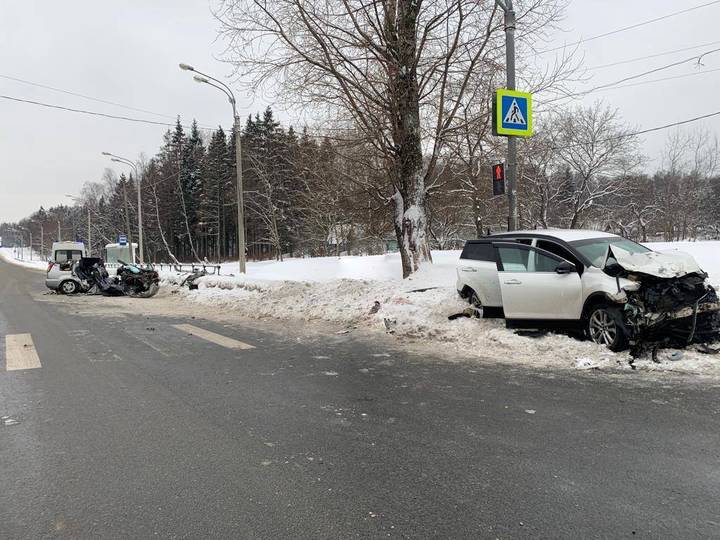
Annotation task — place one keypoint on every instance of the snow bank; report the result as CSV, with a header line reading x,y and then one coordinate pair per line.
x,y
368,292
321,269
12,255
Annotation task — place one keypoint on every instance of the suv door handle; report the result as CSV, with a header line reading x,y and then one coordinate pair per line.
x,y
513,282
468,269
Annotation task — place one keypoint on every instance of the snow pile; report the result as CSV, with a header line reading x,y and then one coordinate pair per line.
x,y
12,255
368,292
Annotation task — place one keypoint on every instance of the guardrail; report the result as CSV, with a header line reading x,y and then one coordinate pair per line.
x,y
212,269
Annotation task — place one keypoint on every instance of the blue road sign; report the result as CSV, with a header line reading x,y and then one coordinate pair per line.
x,y
513,111
122,240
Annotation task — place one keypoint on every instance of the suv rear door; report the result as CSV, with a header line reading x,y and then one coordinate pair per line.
x,y
477,268
530,286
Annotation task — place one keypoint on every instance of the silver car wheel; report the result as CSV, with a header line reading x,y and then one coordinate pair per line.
x,y
68,287
603,328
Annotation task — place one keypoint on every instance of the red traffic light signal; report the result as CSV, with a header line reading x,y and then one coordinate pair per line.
x,y
498,172
498,179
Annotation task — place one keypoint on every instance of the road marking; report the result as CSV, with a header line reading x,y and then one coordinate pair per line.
x,y
223,341
20,352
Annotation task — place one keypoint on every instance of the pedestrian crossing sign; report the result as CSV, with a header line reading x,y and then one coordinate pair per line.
x,y
512,114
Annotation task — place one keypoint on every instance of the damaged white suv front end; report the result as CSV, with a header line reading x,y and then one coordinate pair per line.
x,y
666,299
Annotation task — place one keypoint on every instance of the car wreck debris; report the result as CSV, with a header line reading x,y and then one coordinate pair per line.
x,y
190,279
666,301
130,280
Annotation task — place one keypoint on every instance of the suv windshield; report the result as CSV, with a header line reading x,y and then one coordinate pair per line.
x,y
595,249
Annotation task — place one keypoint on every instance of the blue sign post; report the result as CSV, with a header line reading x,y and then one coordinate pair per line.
x,y
512,113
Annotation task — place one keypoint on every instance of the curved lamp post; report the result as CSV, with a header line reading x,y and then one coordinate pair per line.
x,y
126,161
215,83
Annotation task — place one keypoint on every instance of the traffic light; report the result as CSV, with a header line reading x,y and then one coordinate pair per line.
x,y
498,179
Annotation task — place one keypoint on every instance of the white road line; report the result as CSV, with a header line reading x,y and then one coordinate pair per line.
x,y
20,352
213,337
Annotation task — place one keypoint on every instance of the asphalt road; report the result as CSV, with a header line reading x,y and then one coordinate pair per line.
x,y
133,428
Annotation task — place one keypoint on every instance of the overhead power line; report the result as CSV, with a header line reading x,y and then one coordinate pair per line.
x,y
641,132
614,84
95,113
654,70
91,98
651,81
631,27
650,56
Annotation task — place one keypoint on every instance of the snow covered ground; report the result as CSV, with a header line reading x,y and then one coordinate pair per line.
x,y
368,292
13,255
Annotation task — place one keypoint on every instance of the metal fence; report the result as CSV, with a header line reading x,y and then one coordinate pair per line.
x,y
212,269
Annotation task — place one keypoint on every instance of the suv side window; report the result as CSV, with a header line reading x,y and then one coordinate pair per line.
x,y
514,259
525,260
478,251
560,251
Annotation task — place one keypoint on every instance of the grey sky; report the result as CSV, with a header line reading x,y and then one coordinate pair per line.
x,y
127,52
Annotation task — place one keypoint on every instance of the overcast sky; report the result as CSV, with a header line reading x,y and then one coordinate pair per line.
x,y
127,52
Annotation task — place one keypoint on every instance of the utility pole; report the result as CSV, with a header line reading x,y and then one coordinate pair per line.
x,y
511,166
59,232
240,202
89,238
138,177
42,242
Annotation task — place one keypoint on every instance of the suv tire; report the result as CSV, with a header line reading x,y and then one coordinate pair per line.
x,y
474,301
604,326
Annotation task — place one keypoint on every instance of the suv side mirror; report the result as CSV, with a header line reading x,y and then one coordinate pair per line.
x,y
565,267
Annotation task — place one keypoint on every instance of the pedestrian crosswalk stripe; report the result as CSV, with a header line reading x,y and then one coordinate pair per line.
x,y
20,352
223,341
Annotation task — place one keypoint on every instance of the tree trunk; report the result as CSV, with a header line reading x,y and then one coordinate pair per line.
x,y
410,197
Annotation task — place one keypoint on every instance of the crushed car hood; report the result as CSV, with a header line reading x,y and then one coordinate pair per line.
x,y
660,264
668,301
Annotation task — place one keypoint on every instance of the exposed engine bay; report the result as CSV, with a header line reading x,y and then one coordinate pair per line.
x,y
667,302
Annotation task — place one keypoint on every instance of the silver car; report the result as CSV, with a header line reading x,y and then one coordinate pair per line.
x,y
59,271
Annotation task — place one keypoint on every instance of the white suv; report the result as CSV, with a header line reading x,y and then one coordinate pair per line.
x,y
572,278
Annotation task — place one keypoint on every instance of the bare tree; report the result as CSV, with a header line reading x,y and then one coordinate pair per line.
x,y
599,152
541,183
396,70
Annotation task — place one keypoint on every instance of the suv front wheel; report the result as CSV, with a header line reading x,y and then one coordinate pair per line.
x,y
605,327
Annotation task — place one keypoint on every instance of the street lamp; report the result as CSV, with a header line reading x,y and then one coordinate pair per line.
x,y
42,241
126,161
22,252
22,242
89,231
215,83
